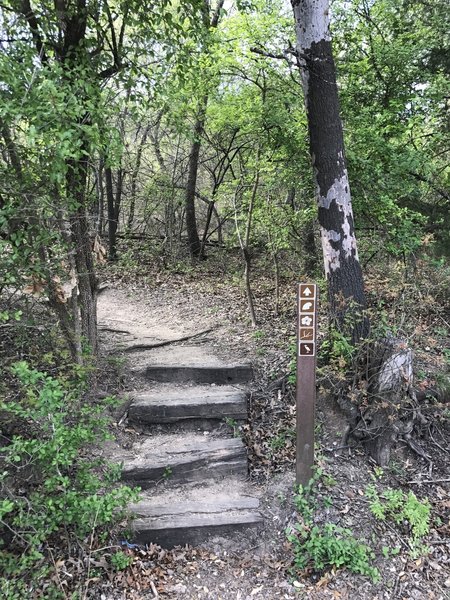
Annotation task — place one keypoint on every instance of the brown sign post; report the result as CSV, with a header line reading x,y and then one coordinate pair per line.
x,y
306,380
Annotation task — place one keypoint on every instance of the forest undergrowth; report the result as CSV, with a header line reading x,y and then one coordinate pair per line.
x,y
359,530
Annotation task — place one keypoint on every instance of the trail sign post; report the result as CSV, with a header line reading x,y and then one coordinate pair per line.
x,y
306,379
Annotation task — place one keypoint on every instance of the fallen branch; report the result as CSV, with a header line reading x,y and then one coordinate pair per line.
x,y
418,481
137,347
110,329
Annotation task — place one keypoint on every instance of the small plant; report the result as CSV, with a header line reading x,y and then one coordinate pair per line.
x,y
332,546
234,426
118,362
281,497
337,348
403,509
121,561
167,473
258,334
378,473
327,545
387,552
280,440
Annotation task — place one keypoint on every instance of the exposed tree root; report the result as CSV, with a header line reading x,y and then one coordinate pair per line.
x,y
389,411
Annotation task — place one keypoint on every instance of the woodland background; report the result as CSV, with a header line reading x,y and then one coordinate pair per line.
x,y
145,142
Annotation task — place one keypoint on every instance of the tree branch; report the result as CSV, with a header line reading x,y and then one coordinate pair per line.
x,y
33,23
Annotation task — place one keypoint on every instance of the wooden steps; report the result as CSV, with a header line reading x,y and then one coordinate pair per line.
x,y
220,375
179,404
185,364
184,458
195,482
171,519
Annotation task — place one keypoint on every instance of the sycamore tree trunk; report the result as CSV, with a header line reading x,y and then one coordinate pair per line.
x,y
340,254
392,411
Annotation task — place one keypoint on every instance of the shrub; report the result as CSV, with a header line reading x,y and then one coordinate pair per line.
x,y
55,496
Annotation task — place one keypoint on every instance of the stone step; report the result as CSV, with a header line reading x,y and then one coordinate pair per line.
x,y
167,404
190,516
182,457
182,364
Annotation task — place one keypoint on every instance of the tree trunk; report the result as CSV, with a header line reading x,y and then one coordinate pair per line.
x,y
340,255
134,178
112,222
84,261
276,265
100,197
209,214
309,249
191,220
219,228
244,243
195,246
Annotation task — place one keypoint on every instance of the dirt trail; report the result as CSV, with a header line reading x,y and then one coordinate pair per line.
x,y
256,565
126,315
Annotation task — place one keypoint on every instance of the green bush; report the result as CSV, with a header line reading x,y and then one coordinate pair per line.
x,y
55,496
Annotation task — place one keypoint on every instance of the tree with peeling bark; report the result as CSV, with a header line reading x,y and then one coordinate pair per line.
x,y
394,412
340,254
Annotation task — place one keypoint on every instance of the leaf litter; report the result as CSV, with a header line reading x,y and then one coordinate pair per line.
x,y
260,565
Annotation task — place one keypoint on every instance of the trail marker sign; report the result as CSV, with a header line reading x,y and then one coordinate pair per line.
x,y
307,299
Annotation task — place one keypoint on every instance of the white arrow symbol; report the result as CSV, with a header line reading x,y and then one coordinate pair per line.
x,y
307,292
307,305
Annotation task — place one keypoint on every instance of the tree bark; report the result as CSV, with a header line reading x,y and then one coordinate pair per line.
x,y
340,255
84,261
112,223
191,220
309,249
195,246
244,242
73,31
134,178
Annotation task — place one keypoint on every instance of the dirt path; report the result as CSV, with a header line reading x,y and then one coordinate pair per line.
x,y
257,565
